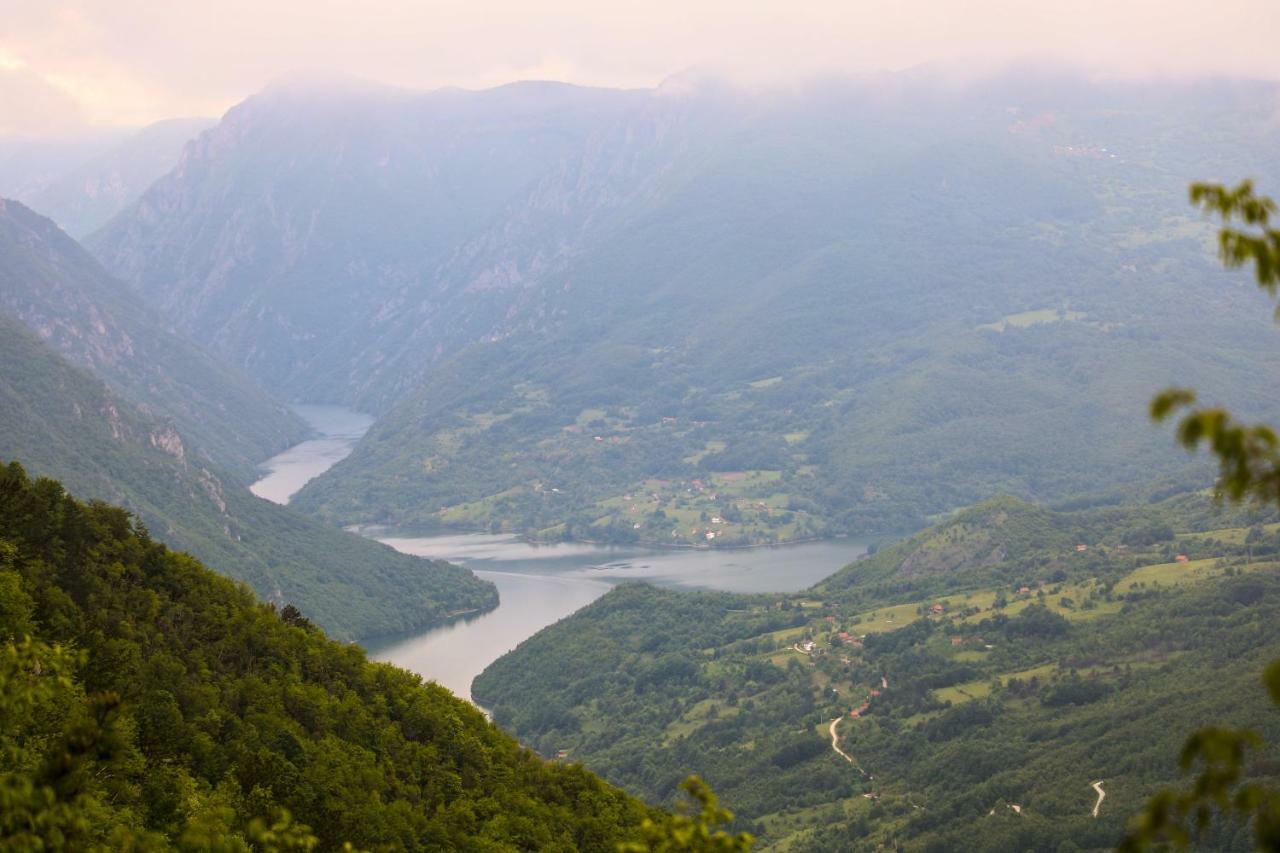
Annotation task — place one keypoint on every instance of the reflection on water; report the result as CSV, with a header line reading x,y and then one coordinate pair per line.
x,y
539,585
455,654
339,429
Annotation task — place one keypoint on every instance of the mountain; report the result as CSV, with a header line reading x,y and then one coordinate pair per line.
x,y
81,199
290,236
150,704
847,307
60,421
29,164
963,689
54,286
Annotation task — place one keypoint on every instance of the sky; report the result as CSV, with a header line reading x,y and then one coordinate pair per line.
x,y
66,64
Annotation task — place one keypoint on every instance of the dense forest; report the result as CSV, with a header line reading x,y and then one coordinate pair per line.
x,y
148,703
978,678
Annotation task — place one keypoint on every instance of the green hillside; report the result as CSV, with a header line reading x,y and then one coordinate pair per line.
x,y
58,290
147,703
60,421
980,677
829,312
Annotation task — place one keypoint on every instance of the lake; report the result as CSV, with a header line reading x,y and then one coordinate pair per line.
x,y
337,428
538,585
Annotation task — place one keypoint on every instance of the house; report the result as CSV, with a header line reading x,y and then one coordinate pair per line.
x,y
936,609
711,534
957,641
1081,548
1024,590
844,636
715,519
1181,558
875,692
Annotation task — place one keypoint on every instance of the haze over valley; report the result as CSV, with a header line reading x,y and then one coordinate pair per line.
x,y
472,445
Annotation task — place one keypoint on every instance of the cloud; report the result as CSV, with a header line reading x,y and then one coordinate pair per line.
x,y
34,107
135,60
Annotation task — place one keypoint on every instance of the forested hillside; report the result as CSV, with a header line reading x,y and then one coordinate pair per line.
x,y
846,307
52,284
962,690
846,311
60,421
147,703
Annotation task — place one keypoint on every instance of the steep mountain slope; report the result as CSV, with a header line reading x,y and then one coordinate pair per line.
x,y
841,313
30,164
83,198
54,286
151,704
962,690
294,232
60,421
843,307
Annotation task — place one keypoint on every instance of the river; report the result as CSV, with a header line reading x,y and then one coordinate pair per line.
x,y
538,585
337,431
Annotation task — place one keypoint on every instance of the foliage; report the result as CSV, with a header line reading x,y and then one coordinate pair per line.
x,y
146,703
1003,698
695,832
62,422
1249,468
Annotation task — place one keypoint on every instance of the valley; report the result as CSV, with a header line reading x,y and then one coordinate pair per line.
x,y
337,431
883,707
799,440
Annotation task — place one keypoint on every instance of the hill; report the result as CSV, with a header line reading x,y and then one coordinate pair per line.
x,y
148,703
61,421
85,196
847,307
57,289
962,690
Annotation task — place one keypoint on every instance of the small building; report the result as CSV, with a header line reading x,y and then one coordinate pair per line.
x,y
937,609
957,641
1081,548
711,534
1182,558
1024,590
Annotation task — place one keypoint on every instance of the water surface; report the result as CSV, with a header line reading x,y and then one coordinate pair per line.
x,y
539,585
338,429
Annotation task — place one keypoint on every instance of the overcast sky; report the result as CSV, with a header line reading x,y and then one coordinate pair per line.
x,y
63,64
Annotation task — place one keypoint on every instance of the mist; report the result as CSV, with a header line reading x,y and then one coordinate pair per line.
x,y
67,65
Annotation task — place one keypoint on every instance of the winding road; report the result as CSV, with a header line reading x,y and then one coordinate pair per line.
x,y
835,745
1102,795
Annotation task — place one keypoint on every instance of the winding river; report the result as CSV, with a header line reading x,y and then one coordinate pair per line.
x,y
538,585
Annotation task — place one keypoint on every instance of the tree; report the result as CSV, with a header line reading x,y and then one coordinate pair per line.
x,y
1248,470
693,832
